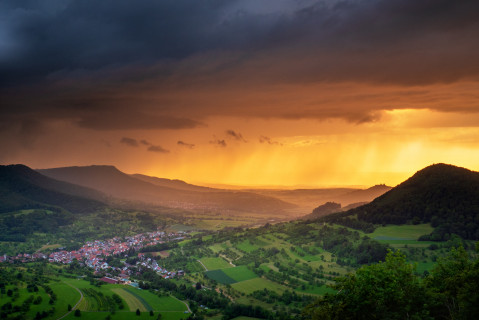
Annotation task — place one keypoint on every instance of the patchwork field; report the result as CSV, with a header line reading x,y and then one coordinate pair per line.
x,y
217,247
215,263
252,285
217,224
95,298
127,315
157,303
132,302
220,276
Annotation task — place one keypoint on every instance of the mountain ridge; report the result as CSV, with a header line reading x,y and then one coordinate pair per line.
x,y
110,180
444,195
22,187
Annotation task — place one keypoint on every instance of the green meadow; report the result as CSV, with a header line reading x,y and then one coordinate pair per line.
x,y
249,286
240,273
231,275
403,232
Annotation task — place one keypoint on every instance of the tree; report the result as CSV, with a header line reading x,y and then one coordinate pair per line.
x,y
151,313
137,312
454,286
387,290
69,307
77,313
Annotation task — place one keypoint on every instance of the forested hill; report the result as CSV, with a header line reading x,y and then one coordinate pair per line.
x,y
24,188
444,195
120,185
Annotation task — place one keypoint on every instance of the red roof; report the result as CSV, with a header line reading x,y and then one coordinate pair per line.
x,y
109,280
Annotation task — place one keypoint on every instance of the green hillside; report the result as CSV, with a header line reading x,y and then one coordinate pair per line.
x,y
24,188
443,195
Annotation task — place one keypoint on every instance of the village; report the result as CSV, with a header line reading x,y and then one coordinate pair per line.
x,y
94,254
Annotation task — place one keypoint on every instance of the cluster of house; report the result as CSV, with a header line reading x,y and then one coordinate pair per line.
x,y
150,263
93,253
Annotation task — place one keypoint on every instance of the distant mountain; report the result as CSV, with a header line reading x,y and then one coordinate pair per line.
x,y
173,184
353,205
308,199
329,208
363,195
325,209
444,195
24,188
176,194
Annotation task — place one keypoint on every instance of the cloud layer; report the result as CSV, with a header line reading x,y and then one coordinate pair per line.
x,y
171,64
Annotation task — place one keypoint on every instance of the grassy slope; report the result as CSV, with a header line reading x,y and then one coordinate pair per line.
x,y
403,232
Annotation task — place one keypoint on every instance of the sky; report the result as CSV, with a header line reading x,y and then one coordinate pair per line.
x,y
242,92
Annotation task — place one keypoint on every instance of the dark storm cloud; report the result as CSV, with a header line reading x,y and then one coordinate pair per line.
x,y
158,149
43,38
145,143
109,65
129,142
133,120
268,140
235,135
219,142
186,145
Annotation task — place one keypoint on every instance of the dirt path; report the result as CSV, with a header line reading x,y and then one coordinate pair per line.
x,y
187,306
225,294
76,305
206,269
224,257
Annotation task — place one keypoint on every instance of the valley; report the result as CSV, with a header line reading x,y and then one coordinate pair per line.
x,y
239,160
173,263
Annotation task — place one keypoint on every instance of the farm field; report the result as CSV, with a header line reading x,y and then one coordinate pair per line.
x,y
127,315
231,275
133,298
240,273
180,227
217,247
246,246
66,295
217,224
252,285
409,243
157,303
403,232
317,290
49,247
215,263
220,276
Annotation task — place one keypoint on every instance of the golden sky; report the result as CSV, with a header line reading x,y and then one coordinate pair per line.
x,y
271,93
